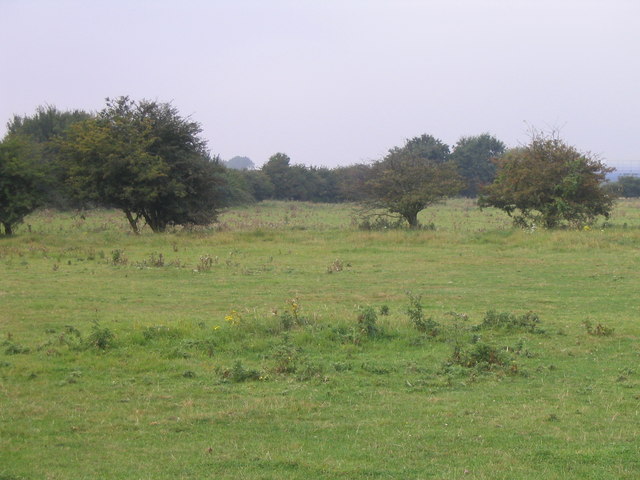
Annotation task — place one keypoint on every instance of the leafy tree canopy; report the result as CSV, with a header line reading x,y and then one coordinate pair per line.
x,y
410,178
147,160
626,186
20,182
39,130
548,182
239,163
47,123
475,157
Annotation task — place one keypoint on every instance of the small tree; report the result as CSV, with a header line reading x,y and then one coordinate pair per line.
x,y
411,178
548,182
20,182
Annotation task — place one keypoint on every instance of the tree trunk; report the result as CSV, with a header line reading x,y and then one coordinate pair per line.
x,y
156,224
412,218
133,221
7,228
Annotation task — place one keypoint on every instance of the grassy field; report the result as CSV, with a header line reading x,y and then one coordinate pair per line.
x,y
286,343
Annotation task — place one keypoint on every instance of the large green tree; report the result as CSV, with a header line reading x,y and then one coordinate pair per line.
x,y
147,160
39,130
21,180
549,182
475,158
412,177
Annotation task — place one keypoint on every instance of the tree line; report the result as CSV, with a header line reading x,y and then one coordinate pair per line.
x,y
147,160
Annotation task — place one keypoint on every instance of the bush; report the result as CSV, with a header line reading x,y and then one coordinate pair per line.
x,y
416,316
548,183
100,337
367,321
238,373
528,322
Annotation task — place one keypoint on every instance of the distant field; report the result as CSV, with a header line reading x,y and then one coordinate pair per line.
x,y
284,342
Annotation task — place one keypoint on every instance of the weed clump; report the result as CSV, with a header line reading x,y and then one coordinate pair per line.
x,y
118,257
238,373
528,322
100,337
379,223
599,330
155,260
291,317
417,318
336,266
14,348
482,357
206,263
286,357
367,322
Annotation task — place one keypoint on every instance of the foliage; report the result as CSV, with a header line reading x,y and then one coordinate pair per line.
x,y
481,356
146,160
46,124
367,322
548,182
599,330
20,182
39,131
297,182
417,318
286,356
235,189
350,182
627,186
527,322
410,178
279,172
100,337
239,163
475,158
258,184
239,373
290,316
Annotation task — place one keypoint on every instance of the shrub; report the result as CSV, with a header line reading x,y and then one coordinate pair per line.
x,y
416,316
286,356
482,357
206,263
238,373
336,266
528,322
100,337
118,257
367,321
14,348
599,330
291,317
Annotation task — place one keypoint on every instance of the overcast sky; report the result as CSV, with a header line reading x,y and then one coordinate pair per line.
x,y
338,82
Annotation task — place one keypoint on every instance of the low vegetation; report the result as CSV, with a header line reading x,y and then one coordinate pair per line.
x,y
287,342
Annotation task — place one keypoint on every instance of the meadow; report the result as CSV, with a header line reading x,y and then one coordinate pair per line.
x,y
285,342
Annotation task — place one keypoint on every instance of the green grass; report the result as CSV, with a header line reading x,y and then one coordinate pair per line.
x,y
209,374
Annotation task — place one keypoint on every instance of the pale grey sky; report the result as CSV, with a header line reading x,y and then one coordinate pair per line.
x,y
336,82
